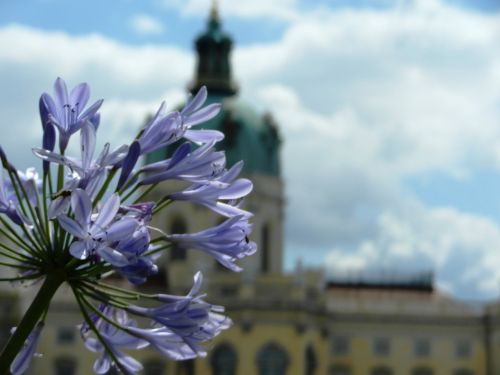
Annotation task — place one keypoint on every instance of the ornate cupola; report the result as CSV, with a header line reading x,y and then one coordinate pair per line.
x,y
213,47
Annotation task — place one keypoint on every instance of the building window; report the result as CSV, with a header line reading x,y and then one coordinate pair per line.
x,y
381,370
422,348
340,345
422,371
381,346
159,279
272,360
265,249
178,252
112,371
185,367
65,335
154,367
65,366
311,363
463,349
339,370
463,371
224,360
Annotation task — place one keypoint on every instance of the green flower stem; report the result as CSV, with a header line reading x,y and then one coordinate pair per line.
x,y
105,186
162,203
97,333
130,193
52,282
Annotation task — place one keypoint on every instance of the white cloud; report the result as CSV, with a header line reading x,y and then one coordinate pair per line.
x,y
367,99
146,25
460,247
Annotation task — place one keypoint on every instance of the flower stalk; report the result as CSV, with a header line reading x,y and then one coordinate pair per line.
x,y
33,315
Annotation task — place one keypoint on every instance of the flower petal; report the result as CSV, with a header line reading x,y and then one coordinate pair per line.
x,y
79,250
129,163
203,136
121,229
82,207
79,96
196,102
204,114
71,226
112,256
87,144
108,211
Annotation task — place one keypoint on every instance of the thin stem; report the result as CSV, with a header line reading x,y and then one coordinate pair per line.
x,y
161,204
113,295
121,290
14,265
15,238
96,331
105,186
35,218
13,254
157,250
130,193
52,282
21,278
60,176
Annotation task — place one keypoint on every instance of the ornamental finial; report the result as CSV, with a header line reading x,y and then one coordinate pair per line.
x,y
214,11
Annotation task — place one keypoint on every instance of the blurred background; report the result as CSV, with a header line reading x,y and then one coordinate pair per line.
x,y
371,130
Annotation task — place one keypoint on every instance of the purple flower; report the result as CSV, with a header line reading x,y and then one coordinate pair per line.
x,y
8,201
227,242
190,318
23,358
139,267
143,212
167,128
166,342
228,190
86,173
85,167
115,339
98,235
192,114
66,111
202,165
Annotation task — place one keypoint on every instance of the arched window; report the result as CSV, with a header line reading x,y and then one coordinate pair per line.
x,y
463,371
422,371
224,359
154,367
272,360
339,370
381,370
65,366
311,363
177,252
185,367
265,248
112,371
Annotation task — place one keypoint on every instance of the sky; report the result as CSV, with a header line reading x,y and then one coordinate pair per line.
x,y
389,111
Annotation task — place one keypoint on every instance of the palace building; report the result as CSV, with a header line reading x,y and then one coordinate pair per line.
x,y
293,324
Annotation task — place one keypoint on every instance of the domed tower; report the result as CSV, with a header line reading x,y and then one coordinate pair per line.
x,y
249,136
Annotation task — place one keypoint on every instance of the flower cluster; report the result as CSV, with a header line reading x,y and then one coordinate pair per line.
x,y
85,218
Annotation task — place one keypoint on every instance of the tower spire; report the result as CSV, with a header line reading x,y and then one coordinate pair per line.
x,y
213,48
